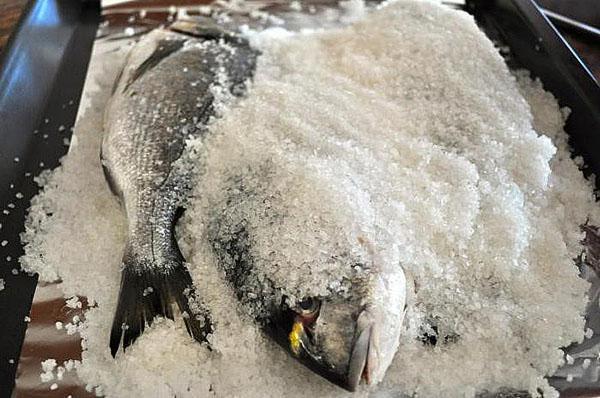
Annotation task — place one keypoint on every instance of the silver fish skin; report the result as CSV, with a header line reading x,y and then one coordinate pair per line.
x,y
164,95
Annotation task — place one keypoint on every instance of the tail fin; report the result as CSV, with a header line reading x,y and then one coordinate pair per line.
x,y
147,292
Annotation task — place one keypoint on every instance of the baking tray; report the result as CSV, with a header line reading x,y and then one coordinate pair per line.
x,y
42,72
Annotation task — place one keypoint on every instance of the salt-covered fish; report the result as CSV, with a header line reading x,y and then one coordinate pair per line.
x,y
164,95
167,93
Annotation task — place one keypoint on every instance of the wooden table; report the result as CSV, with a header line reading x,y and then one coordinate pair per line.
x,y
10,11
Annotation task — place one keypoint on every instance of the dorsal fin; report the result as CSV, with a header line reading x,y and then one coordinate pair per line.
x,y
162,51
204,28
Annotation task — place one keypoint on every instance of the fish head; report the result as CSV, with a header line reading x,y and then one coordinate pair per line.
x,y
345,338
312,271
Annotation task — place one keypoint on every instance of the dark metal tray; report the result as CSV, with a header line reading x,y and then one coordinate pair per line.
x,y
43,69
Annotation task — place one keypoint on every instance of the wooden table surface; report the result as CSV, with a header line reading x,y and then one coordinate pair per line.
x,y
10,11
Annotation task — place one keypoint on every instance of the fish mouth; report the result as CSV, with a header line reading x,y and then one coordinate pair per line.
x,y
360,365
360,360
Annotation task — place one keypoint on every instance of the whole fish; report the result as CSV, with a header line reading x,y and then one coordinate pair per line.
x,y
164,95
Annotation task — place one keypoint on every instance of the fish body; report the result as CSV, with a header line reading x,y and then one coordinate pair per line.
x,y
164,95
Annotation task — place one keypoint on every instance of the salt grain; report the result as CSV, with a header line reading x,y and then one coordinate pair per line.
x,y
46,377
586,363
70,365
71,329
147,291
48,365
589,333
54,386
60,371
73,302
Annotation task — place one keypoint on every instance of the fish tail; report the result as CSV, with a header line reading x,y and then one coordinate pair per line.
x,y
148,292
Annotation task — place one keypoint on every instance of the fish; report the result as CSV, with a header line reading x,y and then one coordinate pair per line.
x,y
163,96
348,336
345,337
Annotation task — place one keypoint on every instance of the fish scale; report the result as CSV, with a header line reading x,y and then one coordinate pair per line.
x,y
163,96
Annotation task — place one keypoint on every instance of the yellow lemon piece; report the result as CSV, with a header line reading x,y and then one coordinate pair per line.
x,y
295,339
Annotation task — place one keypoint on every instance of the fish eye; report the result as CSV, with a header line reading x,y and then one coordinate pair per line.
x,y
308,306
